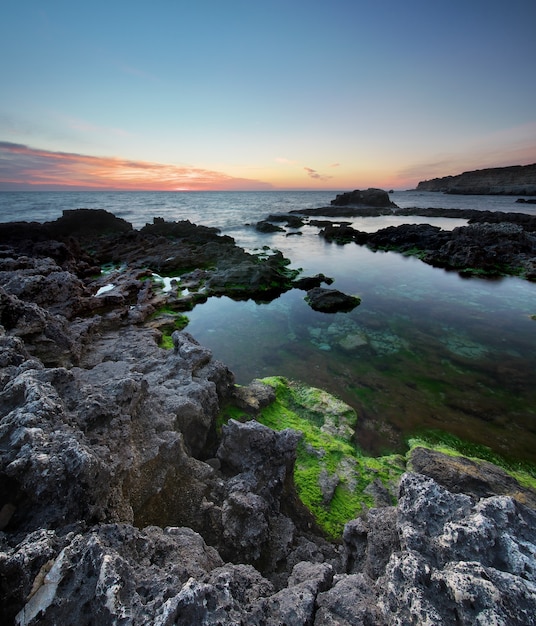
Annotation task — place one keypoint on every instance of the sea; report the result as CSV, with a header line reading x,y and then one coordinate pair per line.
x,y
427,354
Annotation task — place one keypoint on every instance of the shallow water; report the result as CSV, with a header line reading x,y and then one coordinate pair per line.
x,y
426,349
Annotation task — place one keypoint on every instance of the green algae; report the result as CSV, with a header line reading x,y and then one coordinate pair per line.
x,y
169,322
334,479
331,474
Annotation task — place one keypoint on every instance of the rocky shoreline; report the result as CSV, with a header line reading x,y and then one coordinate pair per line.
x,y
130,495
494,243
516,180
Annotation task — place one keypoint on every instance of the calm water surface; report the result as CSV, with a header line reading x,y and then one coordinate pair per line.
x,y
426,349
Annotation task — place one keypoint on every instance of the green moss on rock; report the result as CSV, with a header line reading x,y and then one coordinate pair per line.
x,y
331,475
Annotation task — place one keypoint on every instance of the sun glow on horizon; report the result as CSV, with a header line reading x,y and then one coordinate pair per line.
x,y
23,165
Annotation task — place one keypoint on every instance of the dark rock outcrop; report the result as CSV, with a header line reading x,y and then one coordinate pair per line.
x,y
366,203
331,300
164,248
368,197
517,180
491,244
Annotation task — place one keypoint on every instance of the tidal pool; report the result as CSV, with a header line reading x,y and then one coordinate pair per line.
x,y
426,350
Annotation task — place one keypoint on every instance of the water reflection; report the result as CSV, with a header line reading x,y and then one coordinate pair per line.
x,y
426,349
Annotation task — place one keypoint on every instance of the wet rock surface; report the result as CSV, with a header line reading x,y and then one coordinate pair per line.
x,y
121,501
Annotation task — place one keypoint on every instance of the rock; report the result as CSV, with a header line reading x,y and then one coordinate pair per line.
x,y
117,571
459,559
408,236
254,397
46,336
491,248
253,449
515,180
352,341
88,221
265,226
459,474
331,300
369,197
110,514
365,203
350,602
250,279
310,282
166,248
343,233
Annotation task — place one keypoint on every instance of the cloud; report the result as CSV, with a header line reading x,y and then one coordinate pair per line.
x,y
285,161
314,174
23,167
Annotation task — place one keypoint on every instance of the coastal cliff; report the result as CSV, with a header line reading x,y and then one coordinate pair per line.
x,y
517,180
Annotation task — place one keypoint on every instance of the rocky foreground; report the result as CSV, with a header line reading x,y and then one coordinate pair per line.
x,y
123,501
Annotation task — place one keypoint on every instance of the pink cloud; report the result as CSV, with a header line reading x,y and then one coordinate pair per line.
x,y
314,174
24,167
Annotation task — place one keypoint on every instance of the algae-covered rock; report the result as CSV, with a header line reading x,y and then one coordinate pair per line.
x,y
333,478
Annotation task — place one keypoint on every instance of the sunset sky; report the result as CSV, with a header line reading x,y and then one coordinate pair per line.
x,y
280,94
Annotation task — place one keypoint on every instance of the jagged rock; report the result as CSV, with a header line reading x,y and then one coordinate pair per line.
x,y
109,514
249,278
261,462
459,560
111,573
46,336
331,300
350,602
407,236
343,233
491,247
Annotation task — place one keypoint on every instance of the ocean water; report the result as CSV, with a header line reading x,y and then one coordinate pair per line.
x,y
425,351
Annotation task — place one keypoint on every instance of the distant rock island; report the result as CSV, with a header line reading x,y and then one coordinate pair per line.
x,y
517,180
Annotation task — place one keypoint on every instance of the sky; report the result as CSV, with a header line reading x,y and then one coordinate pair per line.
x,y
252,95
